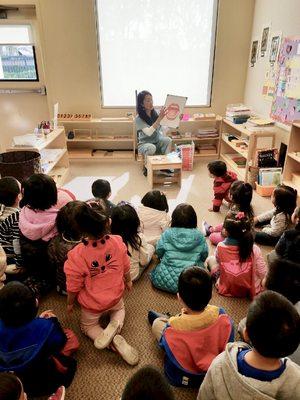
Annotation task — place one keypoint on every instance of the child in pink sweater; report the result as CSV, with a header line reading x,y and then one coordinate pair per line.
x,y
238,264
97,272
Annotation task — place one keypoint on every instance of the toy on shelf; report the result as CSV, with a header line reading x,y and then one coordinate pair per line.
x,y
203,117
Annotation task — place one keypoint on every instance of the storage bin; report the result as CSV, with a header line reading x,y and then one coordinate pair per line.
x,y
264,191
20,164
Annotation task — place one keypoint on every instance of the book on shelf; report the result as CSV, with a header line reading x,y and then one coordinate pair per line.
x,y
270,176
238,120
238,107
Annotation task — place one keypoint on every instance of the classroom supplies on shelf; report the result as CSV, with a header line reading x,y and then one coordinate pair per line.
x,y
237,113
269,176
266,158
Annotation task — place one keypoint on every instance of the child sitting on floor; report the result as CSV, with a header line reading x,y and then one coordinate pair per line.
x,y
222,182
11,388
288,246
193,338
37,349
101,189
240,194
284,199
147,384
259,371
10,196
153,214
238,264
179,247
97,272
126,223
41,202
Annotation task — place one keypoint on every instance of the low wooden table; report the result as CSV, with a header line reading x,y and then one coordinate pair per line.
x,y
158,163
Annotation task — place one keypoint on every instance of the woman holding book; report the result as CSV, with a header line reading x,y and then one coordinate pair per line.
x,y
150,137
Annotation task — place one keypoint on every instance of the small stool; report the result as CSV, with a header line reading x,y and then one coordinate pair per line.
x,y
157,163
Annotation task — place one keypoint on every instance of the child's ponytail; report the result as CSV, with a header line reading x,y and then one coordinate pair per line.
x,y
92,223
241,195
238,227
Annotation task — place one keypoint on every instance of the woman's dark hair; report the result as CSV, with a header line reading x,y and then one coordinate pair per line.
x,y
284,277
17,304
10,386
184,216
39,192
9,190
238,227
285,199
156,199
126,223
92,223
148,383
66,220
241,195
141,110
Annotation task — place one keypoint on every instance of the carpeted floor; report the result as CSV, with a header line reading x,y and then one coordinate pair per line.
x,y
102,375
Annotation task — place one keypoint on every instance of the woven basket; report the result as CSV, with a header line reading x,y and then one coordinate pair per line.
x,y
253,176
20,164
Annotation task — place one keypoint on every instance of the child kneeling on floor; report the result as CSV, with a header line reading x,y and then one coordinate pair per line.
x,y
193,338
260,371
97,272
238,265
37,349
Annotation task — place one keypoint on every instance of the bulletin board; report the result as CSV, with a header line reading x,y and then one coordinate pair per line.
x,y
286,100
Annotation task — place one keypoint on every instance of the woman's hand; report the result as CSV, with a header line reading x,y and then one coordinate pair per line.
x,y
163,112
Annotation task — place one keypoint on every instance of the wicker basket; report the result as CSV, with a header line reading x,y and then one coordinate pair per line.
x,y
253,176
20,164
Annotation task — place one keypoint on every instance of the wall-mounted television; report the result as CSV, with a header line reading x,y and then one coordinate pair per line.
x,y
18,63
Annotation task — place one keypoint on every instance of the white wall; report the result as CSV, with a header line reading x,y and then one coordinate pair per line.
x,y
285,17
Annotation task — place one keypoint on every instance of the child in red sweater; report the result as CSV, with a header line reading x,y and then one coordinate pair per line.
x,y
222,182
97,272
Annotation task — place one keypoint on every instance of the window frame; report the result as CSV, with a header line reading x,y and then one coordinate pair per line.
x,y
211,61
31,43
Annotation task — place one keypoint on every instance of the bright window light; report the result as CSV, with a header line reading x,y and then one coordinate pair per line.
x,y
15,34
164,46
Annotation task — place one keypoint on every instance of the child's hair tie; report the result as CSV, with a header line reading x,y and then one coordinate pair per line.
x,y
240,215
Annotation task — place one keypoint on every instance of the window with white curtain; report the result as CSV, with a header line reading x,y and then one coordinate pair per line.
x,y
164,46
17,54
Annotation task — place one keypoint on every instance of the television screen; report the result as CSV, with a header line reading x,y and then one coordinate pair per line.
x,y
18,63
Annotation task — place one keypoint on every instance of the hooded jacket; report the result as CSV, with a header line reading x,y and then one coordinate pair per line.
x,y
178,248
221,188
224,382
153,222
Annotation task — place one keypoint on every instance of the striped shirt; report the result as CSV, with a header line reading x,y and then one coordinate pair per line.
x,y
10,238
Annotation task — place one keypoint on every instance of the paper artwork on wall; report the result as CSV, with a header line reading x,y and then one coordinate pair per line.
x,y
253,56
286,101
270,82
264,39
274,48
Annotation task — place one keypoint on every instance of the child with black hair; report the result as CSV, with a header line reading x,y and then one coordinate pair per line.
x,y
278,220
223,180
37,349
194,337
288,246
41,202
179,247
126,223
147,384
101,189
238,264
97,272
153,214
69,235
11,388
10,196
240,194
259,371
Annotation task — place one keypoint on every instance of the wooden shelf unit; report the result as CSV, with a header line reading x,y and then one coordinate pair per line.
x,y
193,126
58,165
228,149
101,138
291,171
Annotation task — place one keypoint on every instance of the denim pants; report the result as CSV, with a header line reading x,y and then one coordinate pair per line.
x,y
161,147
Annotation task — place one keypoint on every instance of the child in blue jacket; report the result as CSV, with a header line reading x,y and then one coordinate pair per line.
x,y
179,247
37,349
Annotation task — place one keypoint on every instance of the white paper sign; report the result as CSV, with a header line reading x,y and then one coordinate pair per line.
x,y
55,115
174,106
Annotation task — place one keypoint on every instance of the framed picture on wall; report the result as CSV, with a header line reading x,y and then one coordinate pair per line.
x,y
275,44
254,49
264,40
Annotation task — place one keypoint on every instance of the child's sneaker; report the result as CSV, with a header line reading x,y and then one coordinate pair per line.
x,y
104,339
59,394
206,228
127,352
